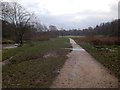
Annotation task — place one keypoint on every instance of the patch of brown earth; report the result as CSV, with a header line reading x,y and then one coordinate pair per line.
x,y
50,54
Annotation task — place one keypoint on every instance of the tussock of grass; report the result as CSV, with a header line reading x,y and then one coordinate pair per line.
x,y
29,68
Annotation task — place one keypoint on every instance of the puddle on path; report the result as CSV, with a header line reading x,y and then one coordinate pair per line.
x,y
76,49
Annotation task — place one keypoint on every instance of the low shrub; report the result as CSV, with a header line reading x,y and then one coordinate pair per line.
x,y
105,41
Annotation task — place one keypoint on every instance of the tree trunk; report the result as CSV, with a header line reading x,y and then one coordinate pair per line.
x,y
21,41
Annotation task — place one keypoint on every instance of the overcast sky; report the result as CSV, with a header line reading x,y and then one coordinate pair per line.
x,y
70,14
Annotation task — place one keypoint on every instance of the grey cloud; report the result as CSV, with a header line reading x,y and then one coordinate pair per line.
x,y
92,18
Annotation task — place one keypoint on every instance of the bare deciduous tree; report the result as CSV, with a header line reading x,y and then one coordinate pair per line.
x,y
16,15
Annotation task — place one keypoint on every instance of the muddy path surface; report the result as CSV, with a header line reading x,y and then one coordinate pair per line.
x,y
81,70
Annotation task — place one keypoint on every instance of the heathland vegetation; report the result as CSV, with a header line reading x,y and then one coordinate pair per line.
x,y
40,53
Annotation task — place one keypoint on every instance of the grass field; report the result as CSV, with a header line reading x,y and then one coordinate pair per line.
x,y
108,55
35,65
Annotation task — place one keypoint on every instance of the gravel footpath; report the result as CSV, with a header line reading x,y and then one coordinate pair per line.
x,y
81,70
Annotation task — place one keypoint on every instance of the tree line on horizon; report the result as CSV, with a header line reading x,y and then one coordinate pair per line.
x,y
18,25
105,29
